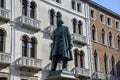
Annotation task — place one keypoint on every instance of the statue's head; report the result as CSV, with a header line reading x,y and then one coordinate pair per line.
x,y
59,22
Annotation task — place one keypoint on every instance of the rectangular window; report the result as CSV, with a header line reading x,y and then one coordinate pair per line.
x,y
109,21
79,9
73,5
102,18
117,25
92,13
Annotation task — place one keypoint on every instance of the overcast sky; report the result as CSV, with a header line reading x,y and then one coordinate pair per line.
x,y
113,5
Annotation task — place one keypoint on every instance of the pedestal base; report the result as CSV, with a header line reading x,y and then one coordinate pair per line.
x,y
61,75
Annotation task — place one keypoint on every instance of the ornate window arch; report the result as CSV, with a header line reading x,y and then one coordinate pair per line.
x,y
96,60
33,46
24,7
25,45
76,53
103,36
74,25
93,33
110,39
106,63
52,17
113,65
82,59
80,29
2,40
33,9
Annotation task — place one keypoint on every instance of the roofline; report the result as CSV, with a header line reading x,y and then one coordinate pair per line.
x,y
104,8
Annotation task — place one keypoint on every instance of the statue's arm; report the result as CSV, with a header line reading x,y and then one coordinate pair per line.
x,y
53,36
69,39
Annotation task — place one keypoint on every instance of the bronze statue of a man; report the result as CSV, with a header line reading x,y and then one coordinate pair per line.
x,y
61,47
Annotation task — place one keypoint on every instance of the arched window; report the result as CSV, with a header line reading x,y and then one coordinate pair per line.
x,y
32,9
2,3
93,33
81,59
24,46
80,27
110,39
24,7
1,40
103,36
74,25
33,48
113,65
96,61
106,63
52,16
118,41
76,53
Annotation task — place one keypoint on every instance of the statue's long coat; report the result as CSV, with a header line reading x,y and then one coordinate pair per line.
x,y
61,43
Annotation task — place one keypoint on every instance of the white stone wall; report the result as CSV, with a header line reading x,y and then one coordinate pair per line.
x,y
42,36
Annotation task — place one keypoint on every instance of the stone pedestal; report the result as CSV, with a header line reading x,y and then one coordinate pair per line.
x,y
61,75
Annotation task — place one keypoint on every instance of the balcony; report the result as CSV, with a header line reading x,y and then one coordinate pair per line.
x,y
5,59
27,63
100,75
29,23
77,38
5,15
81,72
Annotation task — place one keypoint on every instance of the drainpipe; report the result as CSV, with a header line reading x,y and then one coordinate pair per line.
x,y
12,40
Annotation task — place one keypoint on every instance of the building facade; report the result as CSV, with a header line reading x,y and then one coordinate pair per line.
x,y
25,39
105,38
25,42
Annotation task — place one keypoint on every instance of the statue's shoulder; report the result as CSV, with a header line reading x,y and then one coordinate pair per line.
x,y
65,27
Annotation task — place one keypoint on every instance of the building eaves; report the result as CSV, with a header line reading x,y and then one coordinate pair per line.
x,y
104,8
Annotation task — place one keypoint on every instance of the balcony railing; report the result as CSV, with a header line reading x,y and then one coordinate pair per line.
x,y
5,58
81,72
79,38
29,23
100,75
4,15
27,62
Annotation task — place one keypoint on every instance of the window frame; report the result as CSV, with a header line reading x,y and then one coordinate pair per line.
x,y
94,13
110,40
118,28
102,36
118,40
3,34
106,70
79,7
95,33
113,65
109,25
103,22
73,4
